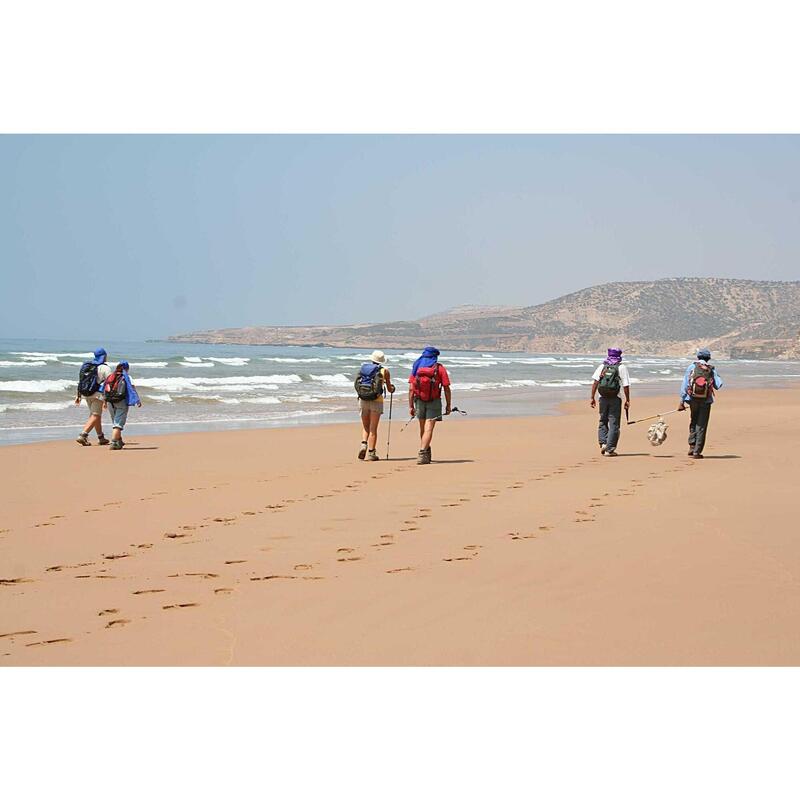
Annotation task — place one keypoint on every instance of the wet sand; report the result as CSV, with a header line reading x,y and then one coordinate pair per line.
x,y
518,545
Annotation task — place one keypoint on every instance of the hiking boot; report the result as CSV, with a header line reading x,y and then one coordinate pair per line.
x,y
102,440
84,440
363,451
424,457
602,448
610,453
691,454
373,456
697,455
115,445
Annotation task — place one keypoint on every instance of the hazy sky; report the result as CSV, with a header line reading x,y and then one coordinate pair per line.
x,y
144,236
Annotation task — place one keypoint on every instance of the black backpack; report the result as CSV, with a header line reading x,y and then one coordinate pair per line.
x,y
369,382
87,379
609,382
115,388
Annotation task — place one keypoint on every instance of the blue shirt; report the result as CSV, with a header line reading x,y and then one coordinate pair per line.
x,y
685,398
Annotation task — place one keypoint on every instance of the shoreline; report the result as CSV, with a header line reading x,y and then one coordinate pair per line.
x,y
519,545
553,408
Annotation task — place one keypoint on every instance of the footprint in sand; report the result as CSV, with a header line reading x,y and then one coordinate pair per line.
x,y
56,568
302,567
175,535
473,546
112,556
148,591
351,558
107,611
180,605
16,633
223,590
14,581
237,561
345,550
43,525
47,641
249,513
117,623
400,569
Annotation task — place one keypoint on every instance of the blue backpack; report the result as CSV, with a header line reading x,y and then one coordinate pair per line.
x,y
369,382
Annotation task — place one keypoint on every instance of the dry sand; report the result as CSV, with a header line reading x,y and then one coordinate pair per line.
x,y
519,545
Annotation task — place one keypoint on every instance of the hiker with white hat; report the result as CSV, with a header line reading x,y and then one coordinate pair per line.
x,y
371,384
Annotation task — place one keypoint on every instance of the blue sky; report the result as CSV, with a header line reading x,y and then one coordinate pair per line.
x,y
144,236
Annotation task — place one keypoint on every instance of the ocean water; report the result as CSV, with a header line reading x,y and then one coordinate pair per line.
x,y
210,387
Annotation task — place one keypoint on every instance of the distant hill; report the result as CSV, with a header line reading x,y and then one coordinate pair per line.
x,y
736,318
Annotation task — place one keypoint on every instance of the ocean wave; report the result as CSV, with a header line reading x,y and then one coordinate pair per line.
x,y
159,398
233,383
278,360
230,362
340,379
36,406
148,364
36,387
197,363
36,355
23,363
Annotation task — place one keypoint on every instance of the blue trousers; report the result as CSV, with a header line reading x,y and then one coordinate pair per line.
x,y
610,415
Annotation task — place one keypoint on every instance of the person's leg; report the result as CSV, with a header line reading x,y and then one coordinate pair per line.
x,y
602,429
694,410
374,421
427,434
120,414
364,434
701,427
614,417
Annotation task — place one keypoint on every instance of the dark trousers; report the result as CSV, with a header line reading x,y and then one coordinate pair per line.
x,y
698,425
610,415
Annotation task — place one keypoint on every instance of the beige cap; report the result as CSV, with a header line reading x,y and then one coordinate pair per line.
x,y
378,356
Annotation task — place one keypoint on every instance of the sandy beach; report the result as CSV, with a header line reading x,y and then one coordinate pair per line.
x,y
520,545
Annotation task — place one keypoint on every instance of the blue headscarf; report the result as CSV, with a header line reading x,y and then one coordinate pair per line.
x,y
430,355
704,354
133,395
99,357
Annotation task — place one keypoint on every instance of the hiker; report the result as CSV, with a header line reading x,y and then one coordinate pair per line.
x,y
699,384
607,380
120,394
372,383
91,377
428,378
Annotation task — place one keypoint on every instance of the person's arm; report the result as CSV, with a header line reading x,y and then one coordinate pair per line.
x,y
718,384
592,401
448,396
627,390
411,400
388,379
684,387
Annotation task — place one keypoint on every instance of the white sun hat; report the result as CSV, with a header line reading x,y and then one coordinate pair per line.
x,y
378,356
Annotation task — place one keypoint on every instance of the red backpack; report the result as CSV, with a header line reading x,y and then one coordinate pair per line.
x,y
427,384
701,382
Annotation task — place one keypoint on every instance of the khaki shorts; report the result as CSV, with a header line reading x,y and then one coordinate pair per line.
x,y
430,409
371,406
95,404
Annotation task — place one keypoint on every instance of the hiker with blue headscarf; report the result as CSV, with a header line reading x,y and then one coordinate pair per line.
x,y
608,378
120,395
91,377
428,378
700,382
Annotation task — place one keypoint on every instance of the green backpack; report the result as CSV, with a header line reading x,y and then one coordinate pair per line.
x,y
609,382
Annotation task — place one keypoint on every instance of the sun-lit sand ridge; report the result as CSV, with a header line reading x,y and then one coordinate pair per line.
x,y
521,545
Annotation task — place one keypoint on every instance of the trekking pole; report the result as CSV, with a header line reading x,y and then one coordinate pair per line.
x,y
655,416
389,434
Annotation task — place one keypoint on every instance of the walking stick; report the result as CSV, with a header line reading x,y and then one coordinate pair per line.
x,y
389,434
